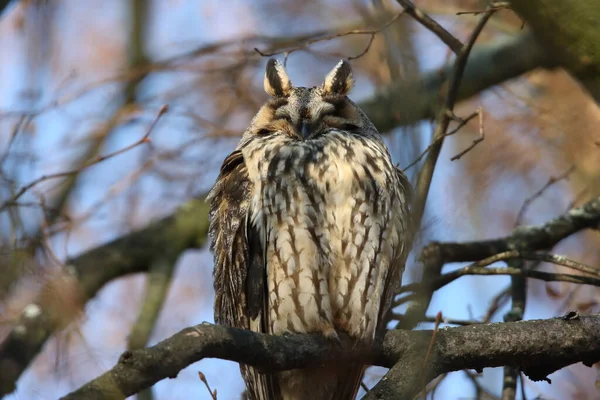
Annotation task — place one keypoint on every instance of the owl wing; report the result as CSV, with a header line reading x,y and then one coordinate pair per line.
x,y
239,272
401,209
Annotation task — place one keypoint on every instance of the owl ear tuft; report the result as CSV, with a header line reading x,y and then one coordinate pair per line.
x,y
277,82
339,80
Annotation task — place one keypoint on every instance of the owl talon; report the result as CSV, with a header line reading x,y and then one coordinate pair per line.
x,y
336,340
332,336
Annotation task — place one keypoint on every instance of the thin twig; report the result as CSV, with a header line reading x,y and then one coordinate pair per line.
x,y
461,122
559,260
497,302
543,276
452,321
551,181
362,53
426,174
496,6
477,268
481,393
364,387
371,32
435,384
416,311
450,40
96,160
522,378
213,394
480,139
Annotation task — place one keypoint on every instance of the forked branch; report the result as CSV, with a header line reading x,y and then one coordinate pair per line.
x,y
525,344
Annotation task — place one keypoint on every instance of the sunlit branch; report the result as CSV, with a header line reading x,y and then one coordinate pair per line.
x,y
453,43
525,344
416,311
478,268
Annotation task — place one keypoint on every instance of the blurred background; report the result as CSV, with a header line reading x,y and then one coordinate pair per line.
x,y
82,84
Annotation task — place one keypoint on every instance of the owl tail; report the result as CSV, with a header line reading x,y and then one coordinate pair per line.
x,y
322,383
349,384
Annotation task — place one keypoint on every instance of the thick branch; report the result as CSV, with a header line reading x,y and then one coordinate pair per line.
x,y
538,347
158,283
132,253
530,238
526,238
405,103
568,30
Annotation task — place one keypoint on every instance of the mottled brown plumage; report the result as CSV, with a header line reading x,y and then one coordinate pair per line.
x,y
310,229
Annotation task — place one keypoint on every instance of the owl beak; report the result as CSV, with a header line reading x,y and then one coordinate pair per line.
x,y
305,129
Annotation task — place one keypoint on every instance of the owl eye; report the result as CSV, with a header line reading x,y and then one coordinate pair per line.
x,y
349,127
286,118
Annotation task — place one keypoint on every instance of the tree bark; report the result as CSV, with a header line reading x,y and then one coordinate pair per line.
x,y
537,347
569,32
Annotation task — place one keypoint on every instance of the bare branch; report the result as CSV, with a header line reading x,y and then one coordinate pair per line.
x,y
97,160
453,43
495,5
518,293
158,282
525,344
477,268
480,139
531,238
528,239
371,32
551,181
416,311
567,30
404,103
443,120
132,253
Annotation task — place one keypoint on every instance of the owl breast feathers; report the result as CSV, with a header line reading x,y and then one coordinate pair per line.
x,y
310,229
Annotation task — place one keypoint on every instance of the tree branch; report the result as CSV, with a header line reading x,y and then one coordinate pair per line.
x,y
132,253
531,238
525,238
187,228
417,309
568,30
158,282
406,103
453,43
525,344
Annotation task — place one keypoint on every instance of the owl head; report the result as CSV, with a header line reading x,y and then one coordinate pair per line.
x,y
305,113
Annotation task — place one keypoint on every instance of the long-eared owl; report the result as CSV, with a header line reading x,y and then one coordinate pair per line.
x,y
310,229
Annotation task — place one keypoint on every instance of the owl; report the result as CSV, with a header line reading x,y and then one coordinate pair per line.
x,y
310,229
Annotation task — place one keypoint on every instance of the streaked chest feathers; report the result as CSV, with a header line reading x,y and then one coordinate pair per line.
x,y
327,205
